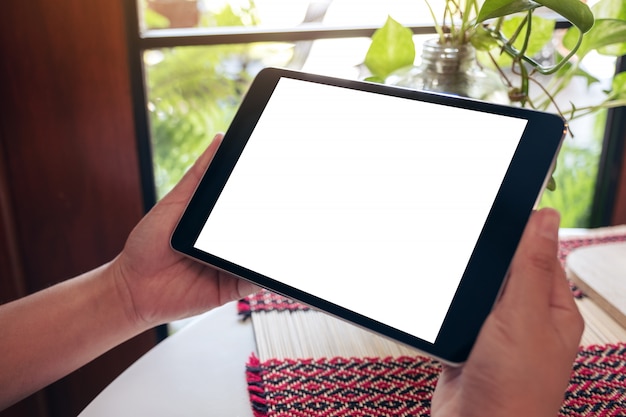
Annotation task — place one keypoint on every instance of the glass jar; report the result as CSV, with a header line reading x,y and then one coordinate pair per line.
x,y
452,69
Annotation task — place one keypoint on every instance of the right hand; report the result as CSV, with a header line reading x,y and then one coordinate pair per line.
x,y
522,360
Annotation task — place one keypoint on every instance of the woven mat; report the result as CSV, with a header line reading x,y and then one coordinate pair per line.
x,y
594,237
392,387
589,237
403,385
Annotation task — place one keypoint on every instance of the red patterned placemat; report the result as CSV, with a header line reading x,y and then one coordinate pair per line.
x,y
403,386
597,237
568,244
267,301
361,387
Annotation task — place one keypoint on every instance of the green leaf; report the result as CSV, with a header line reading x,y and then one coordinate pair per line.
x,y
541,33
618,49
500,8
575,11
610,9
482,40
374,79
392,48
606,36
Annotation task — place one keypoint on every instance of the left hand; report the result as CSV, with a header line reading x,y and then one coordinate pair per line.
x,y
159,284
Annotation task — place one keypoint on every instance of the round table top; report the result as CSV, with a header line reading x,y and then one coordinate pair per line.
x,y
198,371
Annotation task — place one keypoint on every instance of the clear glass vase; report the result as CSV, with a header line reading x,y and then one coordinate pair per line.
x,y
452,69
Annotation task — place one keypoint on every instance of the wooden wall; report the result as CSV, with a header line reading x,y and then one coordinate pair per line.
x,y
69,177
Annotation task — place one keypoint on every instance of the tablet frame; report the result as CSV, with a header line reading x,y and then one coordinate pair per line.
x,y
487,268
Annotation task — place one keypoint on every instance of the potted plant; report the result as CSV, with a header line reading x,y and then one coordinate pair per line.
x,y
507,34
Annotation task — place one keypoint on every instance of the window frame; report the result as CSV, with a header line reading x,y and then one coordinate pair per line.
x,y
611,158
605,198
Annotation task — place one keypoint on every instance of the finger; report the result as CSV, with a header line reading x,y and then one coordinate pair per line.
x,y
233,288
565,313
245,288
186,186
561,291
535,264
201,164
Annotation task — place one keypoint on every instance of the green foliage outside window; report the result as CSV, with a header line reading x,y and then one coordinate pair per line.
x,y
192,97
195,91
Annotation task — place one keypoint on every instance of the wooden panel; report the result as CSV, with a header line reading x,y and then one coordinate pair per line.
x,y
71,171
600,272
12,281
70,140
13,284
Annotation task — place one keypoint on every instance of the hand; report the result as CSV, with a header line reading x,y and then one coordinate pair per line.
x,y
160,284
147,284
522,359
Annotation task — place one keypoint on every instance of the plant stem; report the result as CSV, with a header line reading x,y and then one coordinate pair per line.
x,y
584,111
438,27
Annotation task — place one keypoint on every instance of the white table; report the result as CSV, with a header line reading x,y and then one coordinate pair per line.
x,y
198,371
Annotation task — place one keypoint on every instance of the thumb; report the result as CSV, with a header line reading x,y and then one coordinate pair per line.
x,y
186,186
535,263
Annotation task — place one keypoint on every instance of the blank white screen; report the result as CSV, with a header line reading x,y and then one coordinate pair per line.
x,y
372,202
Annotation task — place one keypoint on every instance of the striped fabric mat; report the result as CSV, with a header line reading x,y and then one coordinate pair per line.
x,y
311,364
402,387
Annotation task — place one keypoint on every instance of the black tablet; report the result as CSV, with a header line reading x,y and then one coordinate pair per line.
x,y
394,209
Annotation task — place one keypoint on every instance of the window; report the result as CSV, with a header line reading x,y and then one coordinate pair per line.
x,y
198,57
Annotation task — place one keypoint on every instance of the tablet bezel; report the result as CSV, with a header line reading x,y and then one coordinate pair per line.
x,y
488,266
